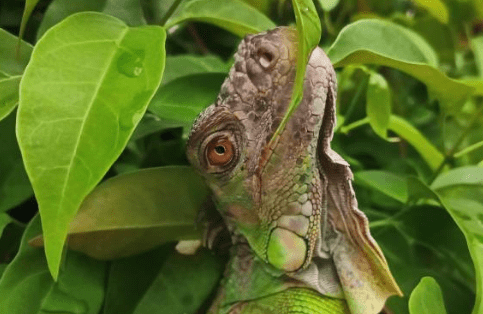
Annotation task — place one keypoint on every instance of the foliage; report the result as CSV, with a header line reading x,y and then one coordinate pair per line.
x,y
88,100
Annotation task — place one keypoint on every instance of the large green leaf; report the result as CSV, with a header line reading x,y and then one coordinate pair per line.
x,y
183,284
382,42
60,9
427,298
130,278
461,192
129,11
27,287
15,186
328,5
423,241
4,221
11,70
468,176
404,129
235,16
378,104
436,8
385,182
183,65
134,212
81,98
184,98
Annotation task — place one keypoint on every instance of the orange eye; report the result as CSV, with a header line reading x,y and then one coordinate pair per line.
x,y
219,151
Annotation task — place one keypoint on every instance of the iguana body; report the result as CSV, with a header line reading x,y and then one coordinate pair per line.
x,y
300,245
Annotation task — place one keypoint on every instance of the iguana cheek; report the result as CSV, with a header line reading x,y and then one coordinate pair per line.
x,y
286,250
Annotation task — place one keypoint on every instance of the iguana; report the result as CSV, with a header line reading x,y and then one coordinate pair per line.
x,y
300,244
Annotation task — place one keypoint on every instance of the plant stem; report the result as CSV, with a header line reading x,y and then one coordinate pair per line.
x,y
468,149
452,152
328,24
170,12
354,101
353,125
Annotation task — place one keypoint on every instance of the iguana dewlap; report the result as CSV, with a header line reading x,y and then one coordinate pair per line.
x,y
300,244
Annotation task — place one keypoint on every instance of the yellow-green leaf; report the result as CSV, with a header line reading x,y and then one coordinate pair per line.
x,y
436,8
378,104
235,16
427,298
404,129
385,43
86,87
134,212
309,31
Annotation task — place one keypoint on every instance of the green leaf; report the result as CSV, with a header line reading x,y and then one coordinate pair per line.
x,y
130,278
129,11
183,284
27,11
378,104
4,221
328,5
8,95
15,186
235,16
385,43
309,31
409,133
385,182
2,269
461,192
436,8
465,176
137,211
183,65
477,47
81,98
11,70
468,214
60,9
478,4
427,298
184,98
27,287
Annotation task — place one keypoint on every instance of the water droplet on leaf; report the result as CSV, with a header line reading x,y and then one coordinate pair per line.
x,y
130,63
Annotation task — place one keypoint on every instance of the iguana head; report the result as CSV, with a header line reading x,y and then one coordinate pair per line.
x,y
290,197
271,194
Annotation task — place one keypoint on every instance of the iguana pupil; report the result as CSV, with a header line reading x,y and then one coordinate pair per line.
x,y
220,150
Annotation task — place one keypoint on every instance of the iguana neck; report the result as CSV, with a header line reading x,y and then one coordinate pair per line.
x,y
248,278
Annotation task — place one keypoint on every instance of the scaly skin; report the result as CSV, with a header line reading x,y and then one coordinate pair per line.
x,y
300,245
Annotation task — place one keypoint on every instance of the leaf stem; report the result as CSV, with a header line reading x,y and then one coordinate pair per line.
x,y
328,24
170,12
468,149
353,125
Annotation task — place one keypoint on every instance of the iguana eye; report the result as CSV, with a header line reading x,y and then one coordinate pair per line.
x,y
219,151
